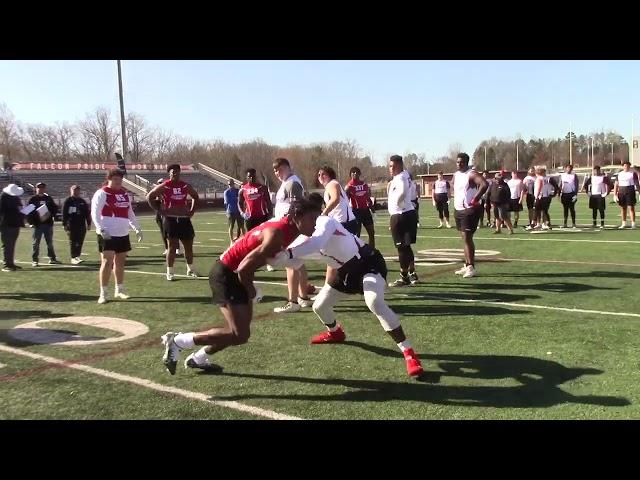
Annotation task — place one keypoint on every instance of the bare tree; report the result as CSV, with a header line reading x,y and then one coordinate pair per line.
x,y
8,134
98,135
140,138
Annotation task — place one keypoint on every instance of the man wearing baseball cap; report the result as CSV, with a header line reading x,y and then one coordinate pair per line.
x,y
11,219
41,220
76,220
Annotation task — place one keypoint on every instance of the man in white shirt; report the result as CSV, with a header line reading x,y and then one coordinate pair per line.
x,y
403,221
517,190
597,185
357,268
290,189
568,192
468,187
624,193
529,182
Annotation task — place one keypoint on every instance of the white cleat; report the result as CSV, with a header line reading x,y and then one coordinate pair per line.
x,y
76,261
170,277
270,268
171,352
192,273
121,296
289,307
471,272
102,300
305,302
259,294
622,227
207,366
462,271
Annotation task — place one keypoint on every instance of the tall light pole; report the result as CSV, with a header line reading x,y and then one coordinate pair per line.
x,y
570,145
631,143
122,123
611,143
485,158
517,156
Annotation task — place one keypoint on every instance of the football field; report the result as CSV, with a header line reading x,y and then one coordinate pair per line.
x,y
549,329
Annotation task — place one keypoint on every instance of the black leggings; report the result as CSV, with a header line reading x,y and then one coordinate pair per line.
x,y
76,240
570,207
443,208
405,256
595,214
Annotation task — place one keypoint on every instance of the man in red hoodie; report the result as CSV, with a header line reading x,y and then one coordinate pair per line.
x,y
255,204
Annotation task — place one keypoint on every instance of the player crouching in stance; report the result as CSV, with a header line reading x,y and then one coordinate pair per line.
x,y
231,281
354,268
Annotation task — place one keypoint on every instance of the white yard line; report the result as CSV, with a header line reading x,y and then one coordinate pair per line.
x,y
142,382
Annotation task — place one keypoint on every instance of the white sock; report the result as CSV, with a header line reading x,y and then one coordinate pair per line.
x,y
120,287
404,345
189,267
103,291
169,269
200,356
184,340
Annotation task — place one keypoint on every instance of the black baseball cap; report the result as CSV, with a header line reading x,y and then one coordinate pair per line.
x,y
40,184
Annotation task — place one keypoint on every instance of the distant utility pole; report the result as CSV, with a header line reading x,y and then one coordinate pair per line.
x,y
122,123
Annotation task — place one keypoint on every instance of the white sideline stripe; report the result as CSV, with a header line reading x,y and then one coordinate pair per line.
x,y
241,407
521,305
204,278
569,262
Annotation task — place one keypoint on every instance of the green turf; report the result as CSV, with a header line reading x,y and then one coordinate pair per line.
x,y
488,353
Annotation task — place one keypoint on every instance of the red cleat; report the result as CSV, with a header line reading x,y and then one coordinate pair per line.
x,y
414,367
330,337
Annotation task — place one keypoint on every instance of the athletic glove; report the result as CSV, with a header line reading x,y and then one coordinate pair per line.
x,y
245,215
104,234
139,235
574,199
473,203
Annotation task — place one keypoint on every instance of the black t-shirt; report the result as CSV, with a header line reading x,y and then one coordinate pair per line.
x,y
75,212
38,200
499,193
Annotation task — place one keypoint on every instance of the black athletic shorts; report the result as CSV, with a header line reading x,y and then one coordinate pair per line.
x,y
180,228
627,196
597,202
404,227
515,205
363,215
531,201
467,219
566,198
114,244
350,275
226,288
253,222
542,204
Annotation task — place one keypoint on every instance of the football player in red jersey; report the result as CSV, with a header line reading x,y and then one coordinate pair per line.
x,y
112,215
177,216
231,282
254,202
361,204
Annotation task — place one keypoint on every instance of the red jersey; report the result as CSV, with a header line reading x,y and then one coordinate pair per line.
x,y
358,192
116,203
174,194
250,240
256,198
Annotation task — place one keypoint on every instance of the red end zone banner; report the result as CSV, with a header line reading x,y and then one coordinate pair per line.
x,y
93,166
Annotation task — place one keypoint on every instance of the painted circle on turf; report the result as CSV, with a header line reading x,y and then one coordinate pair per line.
x,y
444,256
35,332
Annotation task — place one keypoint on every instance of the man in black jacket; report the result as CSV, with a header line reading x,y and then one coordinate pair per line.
x,y
11,220
42,223
76,219
499,195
